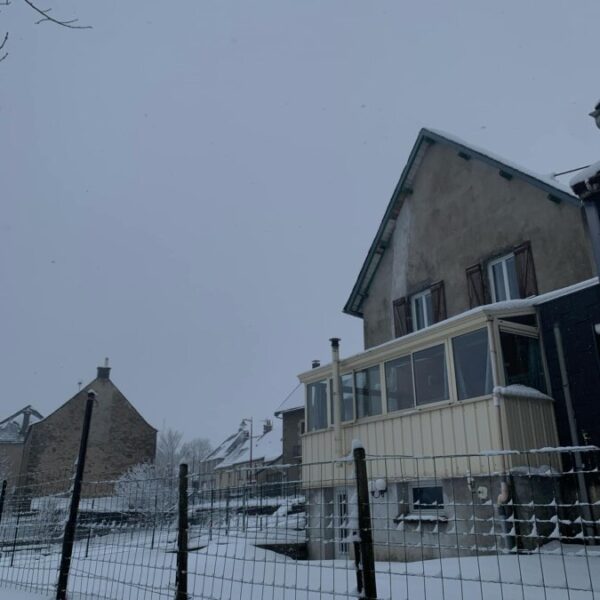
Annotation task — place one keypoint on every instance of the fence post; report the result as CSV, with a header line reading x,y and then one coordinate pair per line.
x,y
71,524
367,553
182,536
2,497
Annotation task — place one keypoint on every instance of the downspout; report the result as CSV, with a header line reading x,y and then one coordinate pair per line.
x,y
504,495
583,492
337,404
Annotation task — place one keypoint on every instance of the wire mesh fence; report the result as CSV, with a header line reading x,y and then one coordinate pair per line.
x,y
499,525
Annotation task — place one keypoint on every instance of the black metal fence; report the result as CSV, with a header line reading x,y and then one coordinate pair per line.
x,y
497,525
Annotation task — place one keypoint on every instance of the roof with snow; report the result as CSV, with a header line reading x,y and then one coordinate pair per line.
x,y
555,190
294,401
14,428
229,445
267,448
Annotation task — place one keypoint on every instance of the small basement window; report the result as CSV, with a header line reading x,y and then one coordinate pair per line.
x,y
427,498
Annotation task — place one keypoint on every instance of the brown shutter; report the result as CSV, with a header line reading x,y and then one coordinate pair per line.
x,y
475,285
525,270
402,317
438,301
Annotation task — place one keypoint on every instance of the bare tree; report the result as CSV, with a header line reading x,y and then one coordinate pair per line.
x,y
195,451
43,16
168,451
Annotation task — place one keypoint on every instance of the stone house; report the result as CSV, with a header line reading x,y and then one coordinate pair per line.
x,y
119,438
453,364
13,430
254,461
291,413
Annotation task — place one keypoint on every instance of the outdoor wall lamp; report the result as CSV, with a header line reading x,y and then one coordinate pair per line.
x,y
378,488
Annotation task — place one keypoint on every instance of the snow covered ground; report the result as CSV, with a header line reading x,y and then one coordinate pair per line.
x,y
120,566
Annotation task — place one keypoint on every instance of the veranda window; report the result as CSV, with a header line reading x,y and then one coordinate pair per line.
x,y
316,405
522,360
431,380
399,384
472,365
368,392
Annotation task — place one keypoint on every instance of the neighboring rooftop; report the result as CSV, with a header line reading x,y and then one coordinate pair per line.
x,y
294,401
15,427
267,448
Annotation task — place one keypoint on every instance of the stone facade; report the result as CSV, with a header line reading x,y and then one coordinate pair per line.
x,y
461,212
119,438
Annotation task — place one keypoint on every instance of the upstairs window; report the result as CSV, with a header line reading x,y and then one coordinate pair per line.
x,y
503,278
422,310
512,276
316,405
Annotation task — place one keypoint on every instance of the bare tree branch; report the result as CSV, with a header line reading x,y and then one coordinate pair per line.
x,y
71,24
3,56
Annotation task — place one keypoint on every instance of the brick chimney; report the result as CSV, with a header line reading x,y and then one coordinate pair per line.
x,y
104,372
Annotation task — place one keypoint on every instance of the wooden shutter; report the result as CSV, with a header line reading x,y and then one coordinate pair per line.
x,y
402,317
525,271
475,286
438,301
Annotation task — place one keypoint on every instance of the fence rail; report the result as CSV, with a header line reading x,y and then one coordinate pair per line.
x,y
401,527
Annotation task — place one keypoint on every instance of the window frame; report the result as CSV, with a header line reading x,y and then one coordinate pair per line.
x,y
501,260
416,509
428,319
523,331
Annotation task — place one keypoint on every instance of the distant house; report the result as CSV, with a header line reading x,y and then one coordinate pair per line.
x,y
119,438
253,461
291,413
13,430
453,362
207,477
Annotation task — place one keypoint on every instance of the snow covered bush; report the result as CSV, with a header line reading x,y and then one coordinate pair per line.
x,y
142,489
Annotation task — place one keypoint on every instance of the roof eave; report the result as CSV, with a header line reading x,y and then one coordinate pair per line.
x,y
360,289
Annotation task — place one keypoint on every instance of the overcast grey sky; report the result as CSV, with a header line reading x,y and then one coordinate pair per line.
x,y
190,187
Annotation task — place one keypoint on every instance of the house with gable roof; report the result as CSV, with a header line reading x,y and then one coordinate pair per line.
x,y
453,362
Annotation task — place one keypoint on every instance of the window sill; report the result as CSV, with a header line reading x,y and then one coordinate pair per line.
x,y
420,518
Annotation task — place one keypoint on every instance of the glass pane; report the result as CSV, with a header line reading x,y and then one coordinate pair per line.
x,y
428,498
431,382
368,392
522,361
347,398
316,405
472,365
513,283
498,282
399,384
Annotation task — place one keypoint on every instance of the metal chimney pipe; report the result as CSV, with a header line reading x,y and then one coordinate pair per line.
x,y
337,400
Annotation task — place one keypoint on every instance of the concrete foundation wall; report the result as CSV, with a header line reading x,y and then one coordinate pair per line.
x,y
463,212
